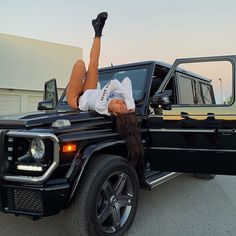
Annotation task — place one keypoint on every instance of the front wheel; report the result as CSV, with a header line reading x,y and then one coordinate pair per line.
x,y
107,201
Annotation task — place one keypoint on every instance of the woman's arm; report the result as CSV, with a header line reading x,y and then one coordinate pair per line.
x,y
128,93
124,88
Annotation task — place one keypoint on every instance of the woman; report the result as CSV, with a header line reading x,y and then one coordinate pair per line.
x,y
114,99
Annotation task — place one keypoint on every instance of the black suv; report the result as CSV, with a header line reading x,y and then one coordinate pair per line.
x,y
57,158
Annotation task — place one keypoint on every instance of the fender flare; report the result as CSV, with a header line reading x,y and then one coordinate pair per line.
x,y
87,155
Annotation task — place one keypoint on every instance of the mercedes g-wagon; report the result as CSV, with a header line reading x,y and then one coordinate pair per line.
x,y
58,158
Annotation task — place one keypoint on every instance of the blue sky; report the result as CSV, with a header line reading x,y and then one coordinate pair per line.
x,y
135,31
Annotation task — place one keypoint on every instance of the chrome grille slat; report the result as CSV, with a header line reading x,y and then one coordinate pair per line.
x,y
10,149
3,150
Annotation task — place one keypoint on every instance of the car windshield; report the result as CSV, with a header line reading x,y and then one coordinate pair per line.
x,y
137,76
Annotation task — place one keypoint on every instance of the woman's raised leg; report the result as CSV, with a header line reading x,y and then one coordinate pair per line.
x,y
92,74
75,86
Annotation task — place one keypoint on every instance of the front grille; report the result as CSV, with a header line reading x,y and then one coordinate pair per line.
x,y
24,201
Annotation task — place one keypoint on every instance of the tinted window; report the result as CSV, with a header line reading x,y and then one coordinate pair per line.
x,y
187,88
214,81
206,92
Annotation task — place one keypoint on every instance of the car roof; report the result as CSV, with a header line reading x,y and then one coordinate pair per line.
x,y
159,63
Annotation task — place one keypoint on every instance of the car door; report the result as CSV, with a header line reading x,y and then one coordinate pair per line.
x,y
198,134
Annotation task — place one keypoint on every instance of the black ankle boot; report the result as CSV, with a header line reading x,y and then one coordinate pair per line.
x,y
99,23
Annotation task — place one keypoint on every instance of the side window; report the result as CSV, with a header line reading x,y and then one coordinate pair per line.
x,y
158,77
186,90
207,93
205,83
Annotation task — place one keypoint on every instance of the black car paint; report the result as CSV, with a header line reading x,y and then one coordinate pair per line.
x,y
95,134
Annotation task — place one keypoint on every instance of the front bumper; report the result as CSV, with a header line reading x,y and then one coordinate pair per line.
x,y
27,195
34,201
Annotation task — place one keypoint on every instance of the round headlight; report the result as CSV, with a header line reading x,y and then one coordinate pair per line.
x,y
37,149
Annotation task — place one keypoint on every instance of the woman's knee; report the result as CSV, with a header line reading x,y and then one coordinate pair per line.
x,y
80,64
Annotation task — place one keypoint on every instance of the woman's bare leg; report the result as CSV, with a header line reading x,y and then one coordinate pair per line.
x,y
92,74
75,86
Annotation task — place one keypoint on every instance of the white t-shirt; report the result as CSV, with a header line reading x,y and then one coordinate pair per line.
x,y
98,99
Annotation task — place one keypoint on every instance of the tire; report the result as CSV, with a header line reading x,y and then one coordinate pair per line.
x,y
205,176
107,200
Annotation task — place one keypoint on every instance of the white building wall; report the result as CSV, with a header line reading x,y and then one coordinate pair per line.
x,y
17,101
25,64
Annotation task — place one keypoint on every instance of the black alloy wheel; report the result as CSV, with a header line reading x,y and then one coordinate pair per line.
x,y
107,198
114,202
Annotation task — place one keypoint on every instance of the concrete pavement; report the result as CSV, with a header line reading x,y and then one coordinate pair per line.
x,y
184,206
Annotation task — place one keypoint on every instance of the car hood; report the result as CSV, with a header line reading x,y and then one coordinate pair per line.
x,y
46,118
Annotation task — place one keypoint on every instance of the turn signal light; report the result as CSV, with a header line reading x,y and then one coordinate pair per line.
x,y
69,148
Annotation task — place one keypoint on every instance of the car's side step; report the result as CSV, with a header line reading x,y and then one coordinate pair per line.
x,y
160,178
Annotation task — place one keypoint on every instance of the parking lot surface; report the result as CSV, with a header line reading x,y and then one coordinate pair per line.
x,y
184,206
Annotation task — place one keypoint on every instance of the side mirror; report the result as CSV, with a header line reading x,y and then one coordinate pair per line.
x,y
50,96
50,91
46,105
161,100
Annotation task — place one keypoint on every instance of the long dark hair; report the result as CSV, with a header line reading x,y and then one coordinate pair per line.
x,y
127,127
